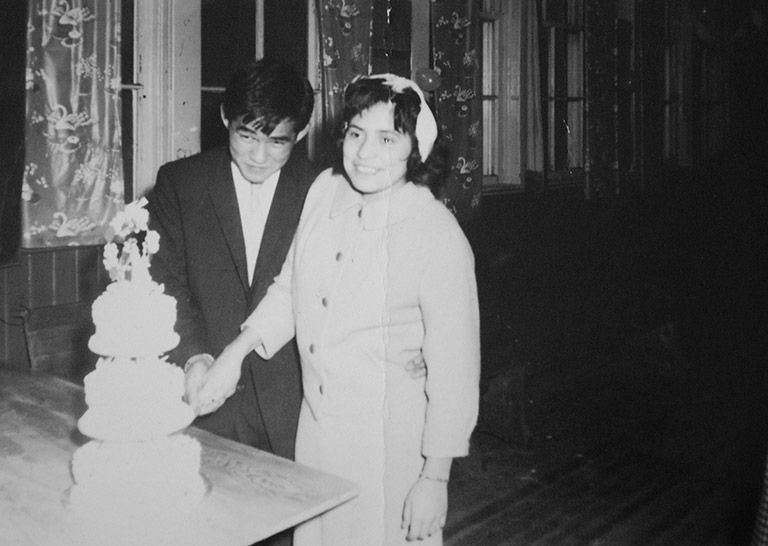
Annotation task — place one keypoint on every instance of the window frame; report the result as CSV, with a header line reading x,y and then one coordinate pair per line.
x,y
167,98
563,91
503,95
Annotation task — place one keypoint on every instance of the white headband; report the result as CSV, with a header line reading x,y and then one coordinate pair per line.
x,y
426,127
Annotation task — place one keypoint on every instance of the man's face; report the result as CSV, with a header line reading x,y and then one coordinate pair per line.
x,y
257,155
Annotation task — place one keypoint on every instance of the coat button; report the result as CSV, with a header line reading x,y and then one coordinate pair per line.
x,y
324,301
360,213
320,388
338,256
312,348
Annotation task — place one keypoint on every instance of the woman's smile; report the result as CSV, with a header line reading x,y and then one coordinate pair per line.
x,y
375,154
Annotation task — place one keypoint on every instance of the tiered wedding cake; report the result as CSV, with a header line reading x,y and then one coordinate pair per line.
x,y
138,461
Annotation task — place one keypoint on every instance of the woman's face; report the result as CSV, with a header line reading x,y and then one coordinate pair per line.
x,y
375,155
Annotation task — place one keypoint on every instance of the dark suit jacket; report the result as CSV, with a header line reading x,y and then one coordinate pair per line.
x,y
202,264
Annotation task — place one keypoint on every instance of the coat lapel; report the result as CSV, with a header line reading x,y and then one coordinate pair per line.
x,y
278,231
224,199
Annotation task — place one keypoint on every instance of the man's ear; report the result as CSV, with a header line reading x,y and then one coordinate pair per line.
x,y
224,119
302,133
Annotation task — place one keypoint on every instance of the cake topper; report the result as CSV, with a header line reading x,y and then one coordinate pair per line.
x,y
126,257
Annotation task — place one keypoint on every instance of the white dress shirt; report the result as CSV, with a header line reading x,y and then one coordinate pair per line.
x,y
254,201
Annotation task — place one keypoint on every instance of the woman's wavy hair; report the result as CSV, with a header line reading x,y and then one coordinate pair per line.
x,y
365,92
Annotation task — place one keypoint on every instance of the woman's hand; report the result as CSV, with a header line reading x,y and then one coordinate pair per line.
x,y
194,376
425,508
220,382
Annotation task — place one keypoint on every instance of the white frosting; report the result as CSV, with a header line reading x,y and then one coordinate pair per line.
x,y
133,319
129,477
134,399
136,468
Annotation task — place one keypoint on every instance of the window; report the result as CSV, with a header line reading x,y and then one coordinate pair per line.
x,y
161,83
228,39
182,54
677,90
128,95
391,37
502,74
561,44
166,108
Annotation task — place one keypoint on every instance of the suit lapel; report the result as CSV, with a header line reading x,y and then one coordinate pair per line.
x,y
278,231
224,199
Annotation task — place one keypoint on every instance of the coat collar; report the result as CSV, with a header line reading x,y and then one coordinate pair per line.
x,y
286,205
391,208
221,189
284,212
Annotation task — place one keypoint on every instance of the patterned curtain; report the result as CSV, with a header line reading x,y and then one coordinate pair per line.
x,y
345,34
73,172
457,52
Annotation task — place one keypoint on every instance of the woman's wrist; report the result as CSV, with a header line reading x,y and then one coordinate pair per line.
x,y
433,478
437,469
248,340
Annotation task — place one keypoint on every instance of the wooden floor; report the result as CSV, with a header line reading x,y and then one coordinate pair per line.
x,y
619,457
639,435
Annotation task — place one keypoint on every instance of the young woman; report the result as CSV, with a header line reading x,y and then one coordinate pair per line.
x,y
379,271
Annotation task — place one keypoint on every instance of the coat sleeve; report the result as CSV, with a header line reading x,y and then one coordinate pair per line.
x,y
449,302
273,318
169,267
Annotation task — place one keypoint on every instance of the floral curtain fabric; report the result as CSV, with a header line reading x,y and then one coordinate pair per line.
x,y
345,35
457,52
73,173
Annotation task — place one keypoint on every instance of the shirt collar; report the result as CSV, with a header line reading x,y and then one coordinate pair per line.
x,y
243,185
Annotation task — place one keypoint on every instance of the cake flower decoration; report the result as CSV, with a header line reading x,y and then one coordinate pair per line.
x,y
126,257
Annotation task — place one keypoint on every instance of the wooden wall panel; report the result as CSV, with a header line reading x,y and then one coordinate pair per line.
x,y
15,293
64,276
41,278
92,279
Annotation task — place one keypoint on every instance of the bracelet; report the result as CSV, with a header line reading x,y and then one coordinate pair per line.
x,y
433,478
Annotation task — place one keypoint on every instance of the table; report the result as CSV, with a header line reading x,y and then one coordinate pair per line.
x,y
253,494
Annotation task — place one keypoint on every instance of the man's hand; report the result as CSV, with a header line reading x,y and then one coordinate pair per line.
x,y
417,367
220,382
194,374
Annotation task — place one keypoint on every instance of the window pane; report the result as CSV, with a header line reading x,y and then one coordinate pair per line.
x,y
228,40
212,133
491,115
391,37
127,96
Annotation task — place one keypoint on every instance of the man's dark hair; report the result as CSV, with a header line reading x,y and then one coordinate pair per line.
x,y
268,92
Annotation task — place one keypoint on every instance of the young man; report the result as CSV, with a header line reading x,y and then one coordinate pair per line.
x,y
226,218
